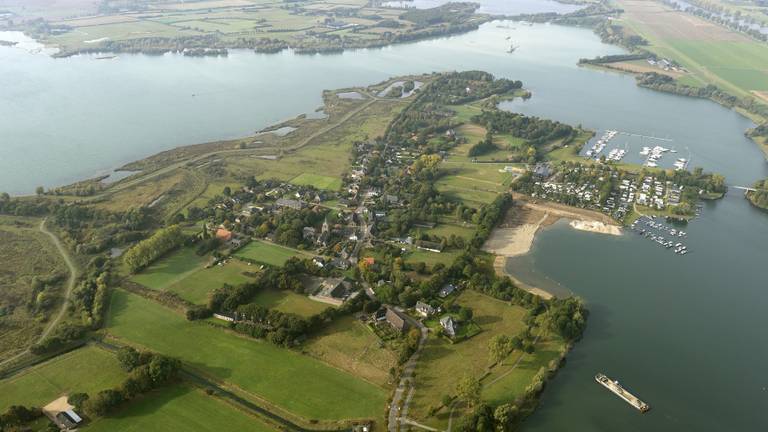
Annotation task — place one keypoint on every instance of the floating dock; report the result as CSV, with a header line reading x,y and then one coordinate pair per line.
x,y
621,392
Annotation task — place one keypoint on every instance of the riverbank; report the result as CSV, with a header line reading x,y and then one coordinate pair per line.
x,y
516,234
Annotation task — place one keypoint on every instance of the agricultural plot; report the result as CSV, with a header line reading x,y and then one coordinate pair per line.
x,y
87,369
442,364
325,393
349,345
267,253
178,408
289,302
712,53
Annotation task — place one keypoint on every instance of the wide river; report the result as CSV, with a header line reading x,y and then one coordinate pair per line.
x,y
687,334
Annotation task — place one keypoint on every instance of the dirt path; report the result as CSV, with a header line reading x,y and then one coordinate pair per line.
x,y
70,283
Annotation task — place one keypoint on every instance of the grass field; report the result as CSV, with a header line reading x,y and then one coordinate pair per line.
x,y
293,382
170,269
289,301
431,258
442,364
349,345
178,408
88,369
196,286
267,253
318,181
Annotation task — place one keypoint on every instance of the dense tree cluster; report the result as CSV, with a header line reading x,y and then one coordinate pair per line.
x,y
147,251
668,84
759,197
148,371
535,130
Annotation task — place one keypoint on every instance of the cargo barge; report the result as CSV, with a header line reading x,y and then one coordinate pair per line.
x,y
621,392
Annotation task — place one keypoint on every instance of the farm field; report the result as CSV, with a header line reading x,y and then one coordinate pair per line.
x,y
713,54
326,393
178,408
25,253
88,369
442,364
349,345
171,269
267,253
290,302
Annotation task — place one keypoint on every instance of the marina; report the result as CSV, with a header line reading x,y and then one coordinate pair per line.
x,y
621,392
660,233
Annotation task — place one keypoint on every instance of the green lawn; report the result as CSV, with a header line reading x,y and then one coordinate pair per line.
x,y
294,382
318,181
740,63
289,301
267,253
169,270
178,408
87,369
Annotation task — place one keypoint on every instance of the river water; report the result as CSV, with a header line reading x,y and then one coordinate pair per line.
x,y
685,333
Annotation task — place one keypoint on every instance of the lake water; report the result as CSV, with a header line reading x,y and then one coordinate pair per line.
x,y
687,334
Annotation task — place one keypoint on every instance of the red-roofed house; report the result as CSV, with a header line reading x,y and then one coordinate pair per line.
x,y
224,235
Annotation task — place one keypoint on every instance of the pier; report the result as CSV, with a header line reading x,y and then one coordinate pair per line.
x,y
621,392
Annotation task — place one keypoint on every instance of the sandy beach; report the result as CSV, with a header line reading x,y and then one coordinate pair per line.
x,y
515,235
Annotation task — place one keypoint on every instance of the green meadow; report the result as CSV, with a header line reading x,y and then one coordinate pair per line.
x,y
88,369
267,253
169,270
290,302
178,408
318,181
292,381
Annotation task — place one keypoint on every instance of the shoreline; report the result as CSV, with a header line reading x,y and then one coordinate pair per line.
x,y
516,235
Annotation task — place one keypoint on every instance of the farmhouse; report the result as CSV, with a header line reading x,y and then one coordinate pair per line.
x,y
449,325
446,290
424,309
396,320
68,419
224,234
290,203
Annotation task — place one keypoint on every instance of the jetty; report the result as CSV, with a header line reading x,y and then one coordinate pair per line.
x,y
621,392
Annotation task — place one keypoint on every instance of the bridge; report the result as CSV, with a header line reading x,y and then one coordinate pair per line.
x,y
747,189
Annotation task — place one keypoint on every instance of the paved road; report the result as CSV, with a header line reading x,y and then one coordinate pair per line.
x,y
67,294
407,376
